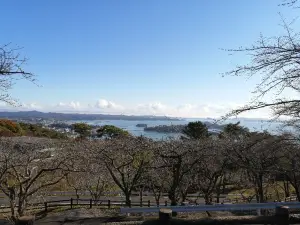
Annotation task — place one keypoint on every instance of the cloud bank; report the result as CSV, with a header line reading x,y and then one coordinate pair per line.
x,y
105,106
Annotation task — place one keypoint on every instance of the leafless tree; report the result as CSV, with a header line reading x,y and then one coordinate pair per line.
x,y
75,180
157,179
126,160
25,170
289,167
258,156
78,178
276,60
210,169
289,3
11,70
179,157
97,181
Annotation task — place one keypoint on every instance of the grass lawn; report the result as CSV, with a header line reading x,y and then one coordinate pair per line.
x,y
272,191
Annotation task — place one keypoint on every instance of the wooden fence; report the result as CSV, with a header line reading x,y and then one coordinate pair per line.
x,y
90,203
99,203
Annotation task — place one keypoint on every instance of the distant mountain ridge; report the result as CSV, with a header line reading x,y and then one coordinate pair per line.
x,y
77,116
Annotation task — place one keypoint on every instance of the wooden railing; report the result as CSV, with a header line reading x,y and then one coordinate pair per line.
x,y
90,203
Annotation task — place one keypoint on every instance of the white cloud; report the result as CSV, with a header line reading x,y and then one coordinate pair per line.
x,y
31,106
72,105
64,107
105,104
153,108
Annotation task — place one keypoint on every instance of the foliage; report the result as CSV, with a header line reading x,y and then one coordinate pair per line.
x,y
83,129
110,131
234,130
37,130
9,128
196,130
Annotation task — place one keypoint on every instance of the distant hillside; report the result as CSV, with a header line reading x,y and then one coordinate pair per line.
x,y
10,128
75,116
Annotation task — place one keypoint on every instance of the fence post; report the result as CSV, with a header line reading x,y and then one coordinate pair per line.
x,y
71,203
165,216
91,203
46,206
129,203
282,215
166,203
148,203
108,204
141,202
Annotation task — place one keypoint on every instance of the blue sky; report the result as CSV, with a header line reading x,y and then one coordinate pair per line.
x,y
136,57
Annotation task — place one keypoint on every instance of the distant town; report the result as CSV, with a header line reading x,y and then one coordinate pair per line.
x,y
36,116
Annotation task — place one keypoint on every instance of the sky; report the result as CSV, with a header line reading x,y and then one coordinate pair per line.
x,y
159,57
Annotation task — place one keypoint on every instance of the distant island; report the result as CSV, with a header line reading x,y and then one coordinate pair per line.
x,y
36,116
178,128
141,125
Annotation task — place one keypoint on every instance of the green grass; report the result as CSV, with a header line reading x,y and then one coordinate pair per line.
x,y
273,191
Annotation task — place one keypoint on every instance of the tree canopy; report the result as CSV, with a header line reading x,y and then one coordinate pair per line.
x,y
234,130
110,131
196,130
83,129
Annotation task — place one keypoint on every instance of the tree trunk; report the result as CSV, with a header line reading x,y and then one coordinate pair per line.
x,y
218,192
297,192
183,196
156,195
21,207
223,186
157,200
286,188
12,199
12,208
127,199
141,195
77,195
207,200
172,197
260,189
295,184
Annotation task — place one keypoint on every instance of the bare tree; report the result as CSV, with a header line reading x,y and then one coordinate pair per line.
x,y
210,169
26,170
289,2
157,179
76,180
126,160
11,70
290,168
258,156
276,60
179,157
97,181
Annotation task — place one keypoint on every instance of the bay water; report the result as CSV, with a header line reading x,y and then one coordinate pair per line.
x,y
130,125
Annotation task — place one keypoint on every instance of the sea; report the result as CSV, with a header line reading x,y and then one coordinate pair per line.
x,y
258,125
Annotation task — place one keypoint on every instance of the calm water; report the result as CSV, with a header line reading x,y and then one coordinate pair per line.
x,y
253,125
